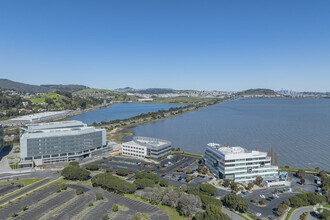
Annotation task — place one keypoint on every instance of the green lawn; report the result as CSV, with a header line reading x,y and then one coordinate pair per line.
x,y
174,215
186,153
26,182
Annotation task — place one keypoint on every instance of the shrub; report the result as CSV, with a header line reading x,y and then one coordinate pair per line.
x,y
115,208
263,201
79,191
226,183
212,212
142,183
75,173
13,214
58,190
113,183
99,196
122,172
92,166
151,176
90,204
105,217
259,180
163,183
250,186
24,208
207,188
281,209
108,170
63,186
301,173
74,163
236,202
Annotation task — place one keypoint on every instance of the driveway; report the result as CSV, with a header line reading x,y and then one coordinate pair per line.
x,y
296,213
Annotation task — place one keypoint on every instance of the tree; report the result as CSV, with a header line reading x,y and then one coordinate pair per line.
x,y
151,176
13,214
226,182
302,181
212,212
63,186
74,163
207,189
79,191
115,208
90,204
189,204
178,149
163,183
113,183
179,170
183,188
142,183
92,166
250,186
189,171
58,190
300,173
259,180
189,178
99,196
171,198
202,169
234,186
24,208
281,209
108,170
317,169
122,172
75,173
236,202
263,201
105,217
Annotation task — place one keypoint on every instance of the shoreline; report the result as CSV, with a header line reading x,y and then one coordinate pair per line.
x,y
121,133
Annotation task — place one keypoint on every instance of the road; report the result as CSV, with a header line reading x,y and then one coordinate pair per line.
x,y
231,214
296,213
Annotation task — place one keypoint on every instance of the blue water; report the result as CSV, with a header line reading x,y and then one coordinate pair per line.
x,y
298,129
120,111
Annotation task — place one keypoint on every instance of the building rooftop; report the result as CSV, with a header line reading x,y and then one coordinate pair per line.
x,y
37,116
235,150
149,142
53,125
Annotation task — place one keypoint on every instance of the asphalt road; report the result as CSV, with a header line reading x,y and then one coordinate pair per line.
x,y
296,213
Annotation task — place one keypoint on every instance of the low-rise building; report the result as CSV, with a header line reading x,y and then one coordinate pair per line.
x,y
146,147
238,164
60,141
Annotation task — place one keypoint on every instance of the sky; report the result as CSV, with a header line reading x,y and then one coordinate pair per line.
x,y
227,45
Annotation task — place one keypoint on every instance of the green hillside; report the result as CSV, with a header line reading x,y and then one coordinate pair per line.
x,y
103,93
66,101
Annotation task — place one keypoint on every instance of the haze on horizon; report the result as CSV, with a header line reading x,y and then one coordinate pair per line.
x,y
202,45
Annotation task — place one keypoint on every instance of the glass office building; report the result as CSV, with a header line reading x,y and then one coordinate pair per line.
x,y
60,141
238,164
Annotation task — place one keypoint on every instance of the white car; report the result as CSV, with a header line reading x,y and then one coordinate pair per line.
x,y
262,196
258,214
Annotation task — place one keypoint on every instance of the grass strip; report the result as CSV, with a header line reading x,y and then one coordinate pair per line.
x,y
239,214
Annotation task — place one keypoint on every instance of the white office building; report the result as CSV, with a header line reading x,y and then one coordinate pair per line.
x,y
60,141
238,164
146,147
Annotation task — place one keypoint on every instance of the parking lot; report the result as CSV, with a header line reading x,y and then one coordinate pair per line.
x,y
47,204
166,169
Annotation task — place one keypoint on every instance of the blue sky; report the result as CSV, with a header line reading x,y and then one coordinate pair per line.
x,y
182,44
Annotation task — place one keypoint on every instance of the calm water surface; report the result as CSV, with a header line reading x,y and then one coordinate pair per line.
x,y
120,111
298,129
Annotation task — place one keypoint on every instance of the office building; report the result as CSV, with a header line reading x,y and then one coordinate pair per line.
x,y
238,164
60,141
146,147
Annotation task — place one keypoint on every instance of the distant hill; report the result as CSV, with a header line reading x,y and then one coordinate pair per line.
x,y
146,91
21,87
67,88
258,92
